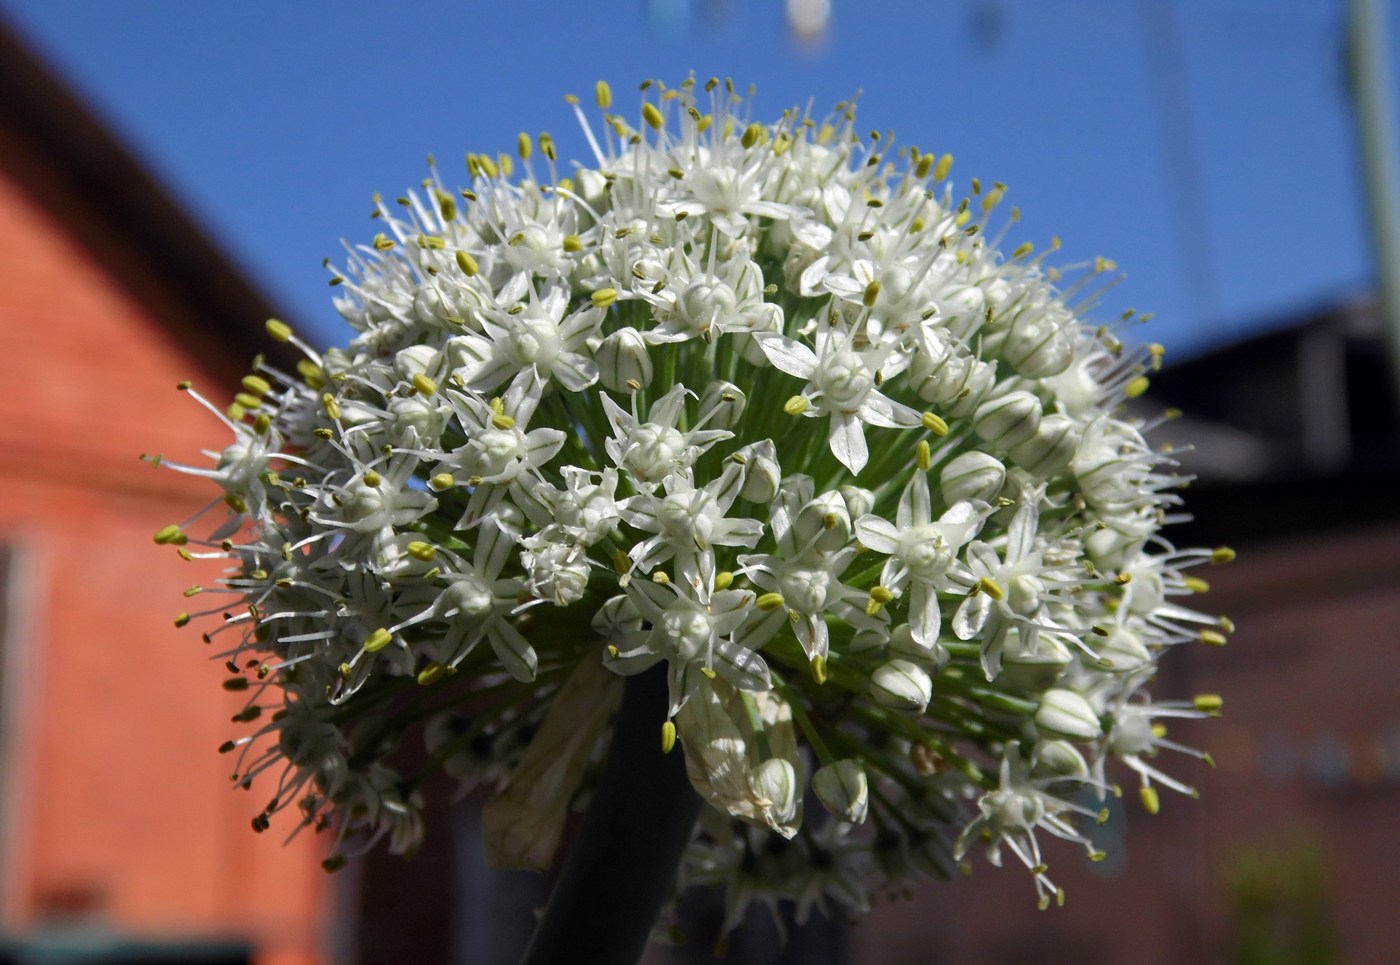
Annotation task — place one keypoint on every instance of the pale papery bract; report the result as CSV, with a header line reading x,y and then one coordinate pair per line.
x,y
760,401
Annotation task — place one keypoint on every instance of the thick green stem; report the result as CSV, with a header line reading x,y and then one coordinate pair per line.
x,y
622,865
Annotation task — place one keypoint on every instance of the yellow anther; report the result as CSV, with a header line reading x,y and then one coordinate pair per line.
x,y
613,651
524,146
1210,703
1214,638
502,421
1136,387
1151,802
261,423
879,596
1159,731
923,455
830,520
193,590
424,384
661,577
331,406
708,672
1197,585
943,167
962,218
431,674
1157,351
924,166
420,550
372,478
1209,761
604,297
602,93
723,580
171,535
992,199
1222,554
934,424
311,374
447,207
668,736
378,640
257,385
235,502
547,149
1123,579
872,292
247,401
991,587
182,619
1102,264
796,405
441,481
769,601
1225,623
652,116
752,135
573,243
467,263
279,330
1022,250
819,669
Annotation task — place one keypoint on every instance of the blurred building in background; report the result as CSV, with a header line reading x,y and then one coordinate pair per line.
x,y
116,816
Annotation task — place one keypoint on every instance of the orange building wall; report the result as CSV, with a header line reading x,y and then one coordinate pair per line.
x,y
113,796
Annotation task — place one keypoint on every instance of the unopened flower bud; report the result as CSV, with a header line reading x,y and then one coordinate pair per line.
x,y
843,789
762,474
1039,345
776,780
824,519
1050,450
1008,420
1064,713
1060,759
1034,671
1122,652
624,364
902,644
972,475
901,684
859,500
721,405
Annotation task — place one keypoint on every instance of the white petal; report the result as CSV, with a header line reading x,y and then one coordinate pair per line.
x,y
848,442
878,534
786,355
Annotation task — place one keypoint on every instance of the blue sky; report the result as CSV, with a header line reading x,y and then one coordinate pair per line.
x,y
1205,145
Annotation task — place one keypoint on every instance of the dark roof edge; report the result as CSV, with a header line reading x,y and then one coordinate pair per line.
x,y
61,152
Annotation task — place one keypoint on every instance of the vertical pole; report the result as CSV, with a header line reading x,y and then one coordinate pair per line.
x,y
621,867
1371,86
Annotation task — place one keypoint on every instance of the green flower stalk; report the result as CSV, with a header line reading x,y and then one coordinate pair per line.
x,y
761,404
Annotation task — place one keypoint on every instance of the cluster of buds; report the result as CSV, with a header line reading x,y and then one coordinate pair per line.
x,y
762,403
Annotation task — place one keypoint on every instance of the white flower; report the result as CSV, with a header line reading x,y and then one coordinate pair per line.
x,y
841,383
759,402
